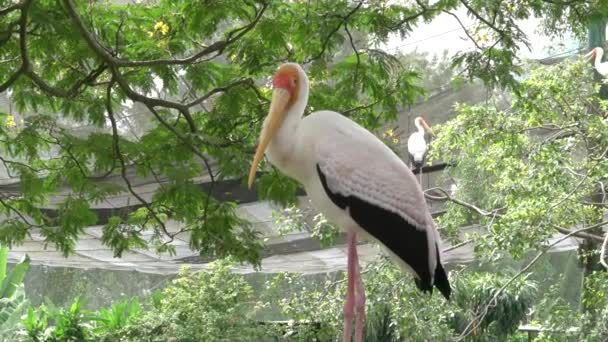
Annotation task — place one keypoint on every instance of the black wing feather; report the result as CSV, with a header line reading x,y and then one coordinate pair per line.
x,y
399,236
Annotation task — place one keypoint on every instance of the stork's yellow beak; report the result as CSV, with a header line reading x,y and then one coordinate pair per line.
x,y
274,120
427,127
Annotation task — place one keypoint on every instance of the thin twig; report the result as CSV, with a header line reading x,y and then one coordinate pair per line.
x,y
447,196
456,246
496,213
352,44
325,43
18,213
409,18
244,81
580,183
123,166
464,28
482,19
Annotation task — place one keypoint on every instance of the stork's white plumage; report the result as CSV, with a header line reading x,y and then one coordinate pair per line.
x,y
416,144
598,53
356,181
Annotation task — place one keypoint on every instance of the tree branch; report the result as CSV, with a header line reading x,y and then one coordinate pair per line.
x,y
184,140
347,112
18,213
26,65
150,102
447,197
217,47
14,77
123,167
580,183
496,213
24,7
587,236
456,246
137,97
14,7
482,19
332,32
73,91
465,30
6,162
413,16
562,3
352,44
245,81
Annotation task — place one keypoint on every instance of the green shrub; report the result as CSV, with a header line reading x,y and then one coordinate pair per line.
x,y
472,294
13,301
48,323
215,305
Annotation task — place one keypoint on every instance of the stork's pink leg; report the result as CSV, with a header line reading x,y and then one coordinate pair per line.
x,y
351,238
359,300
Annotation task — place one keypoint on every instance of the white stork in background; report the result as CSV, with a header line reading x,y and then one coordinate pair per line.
x,y
416,145
601,68
357,182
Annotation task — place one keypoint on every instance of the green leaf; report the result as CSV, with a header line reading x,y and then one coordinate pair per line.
x,y
3,262
14,278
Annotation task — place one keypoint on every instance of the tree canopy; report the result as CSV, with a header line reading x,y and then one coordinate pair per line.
x,y
531,169
200,70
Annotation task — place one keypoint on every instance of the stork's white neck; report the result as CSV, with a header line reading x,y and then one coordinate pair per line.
x,y
286,134
282,148
419,126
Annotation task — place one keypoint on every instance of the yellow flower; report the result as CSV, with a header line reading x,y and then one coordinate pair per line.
x,y
390,132
161,27
10,122
266,91
395,140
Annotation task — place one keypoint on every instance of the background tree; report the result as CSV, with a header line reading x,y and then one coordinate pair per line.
x,y
532,170
200,70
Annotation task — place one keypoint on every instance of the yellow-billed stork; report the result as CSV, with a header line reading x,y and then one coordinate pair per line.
x,y
416,144
598,53
356,181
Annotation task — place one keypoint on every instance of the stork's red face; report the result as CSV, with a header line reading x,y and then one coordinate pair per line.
x,y
287,78
591,53
286,88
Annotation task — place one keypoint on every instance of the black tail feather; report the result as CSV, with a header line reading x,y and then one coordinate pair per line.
x,y
416,164
423,286
441,279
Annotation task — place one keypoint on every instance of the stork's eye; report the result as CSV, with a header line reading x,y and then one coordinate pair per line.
x,y
294,81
